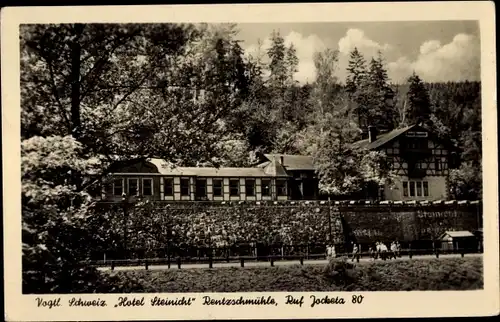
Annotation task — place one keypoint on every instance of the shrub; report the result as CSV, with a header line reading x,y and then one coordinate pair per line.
x,y
340,272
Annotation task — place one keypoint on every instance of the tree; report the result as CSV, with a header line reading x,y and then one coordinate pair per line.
x,y
466,182
336,161
135,83
418,104
110,92
342,167
325,88
239,75
291,63
54,215
347,170
376,173
380,109
278,64
370,92
356,72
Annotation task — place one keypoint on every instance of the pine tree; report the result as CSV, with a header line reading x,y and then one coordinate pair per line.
x,y
418,107
238,68
379,95
277,65
291,62
356,71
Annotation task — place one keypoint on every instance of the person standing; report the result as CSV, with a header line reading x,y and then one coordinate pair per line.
x,y
393,250
355,252
383,251
371,251
330,251
378,250
398,249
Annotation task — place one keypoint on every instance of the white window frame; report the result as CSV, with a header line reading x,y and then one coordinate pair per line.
x,y
164,186
123,186
189,186
419,192
406,190
254,187
128,185
152,186
422,191
238,187
196,180
412,184
221,180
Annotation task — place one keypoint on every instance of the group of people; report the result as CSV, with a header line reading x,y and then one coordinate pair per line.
x,y
383,252
380,250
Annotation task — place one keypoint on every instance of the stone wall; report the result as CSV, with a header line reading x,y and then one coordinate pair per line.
x,y
409,222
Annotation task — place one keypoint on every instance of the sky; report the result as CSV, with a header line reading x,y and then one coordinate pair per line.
x,y
438,51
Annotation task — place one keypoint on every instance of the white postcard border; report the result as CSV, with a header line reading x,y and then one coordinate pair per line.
x,y
376,304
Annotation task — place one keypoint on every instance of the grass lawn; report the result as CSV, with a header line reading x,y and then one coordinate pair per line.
x,y
406,275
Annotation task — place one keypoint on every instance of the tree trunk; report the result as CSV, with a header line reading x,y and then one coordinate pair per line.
x,y
75,81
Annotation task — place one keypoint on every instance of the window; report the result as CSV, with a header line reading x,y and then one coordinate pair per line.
x,y
266,187
218,188
405,188
412,188
426,188
185,187
250,187
133,187
147,187
118,187
419,189
201,188
168,186
234,187
281,187
437,165
418,144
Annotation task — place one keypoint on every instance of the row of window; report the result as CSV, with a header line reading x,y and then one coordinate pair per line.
x,y
416,188
439,164
201,187
133,187
218,187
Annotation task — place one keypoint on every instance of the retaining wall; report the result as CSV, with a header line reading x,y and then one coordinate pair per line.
x,y
289,222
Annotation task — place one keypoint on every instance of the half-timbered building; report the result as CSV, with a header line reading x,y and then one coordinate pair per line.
x,y
277,177
420,160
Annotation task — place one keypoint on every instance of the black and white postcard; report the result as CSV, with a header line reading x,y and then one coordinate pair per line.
x,y
250,161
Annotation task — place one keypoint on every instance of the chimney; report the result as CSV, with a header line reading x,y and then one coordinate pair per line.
x,y
282,160
372,133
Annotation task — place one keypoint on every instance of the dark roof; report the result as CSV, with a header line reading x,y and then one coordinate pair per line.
x,y
275,169
291,162
382,139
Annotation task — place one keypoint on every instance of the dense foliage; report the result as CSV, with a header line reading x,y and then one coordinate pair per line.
x,y
151,227
145,231
93,94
